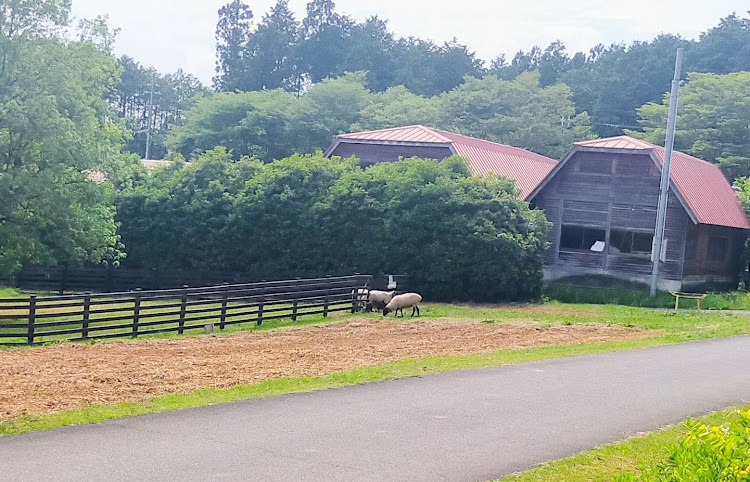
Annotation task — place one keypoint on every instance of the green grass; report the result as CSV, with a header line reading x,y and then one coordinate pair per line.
x,y
604,463
735,300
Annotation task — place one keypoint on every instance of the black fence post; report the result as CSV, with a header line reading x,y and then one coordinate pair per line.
x,y
32,319
294,308
86,316
223,319
260,305
63,280
183,311
136,313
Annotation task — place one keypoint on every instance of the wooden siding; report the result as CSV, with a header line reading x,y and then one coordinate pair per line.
x,y
369,154
700,264
611,191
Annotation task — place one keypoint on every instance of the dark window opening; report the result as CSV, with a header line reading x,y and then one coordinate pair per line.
x,y
580,238
718,249
630,242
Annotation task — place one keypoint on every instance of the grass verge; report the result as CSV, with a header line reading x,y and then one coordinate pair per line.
x,y
629,456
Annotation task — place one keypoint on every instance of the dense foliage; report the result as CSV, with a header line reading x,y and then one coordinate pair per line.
x,y
456,235
712,121
131,98
708,454
272,124
54,128
608,82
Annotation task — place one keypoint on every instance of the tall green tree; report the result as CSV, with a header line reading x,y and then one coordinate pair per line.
x,y
712,121
55,127
232,38
271,61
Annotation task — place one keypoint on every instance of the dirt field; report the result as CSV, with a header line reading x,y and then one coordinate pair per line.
x,y
71,376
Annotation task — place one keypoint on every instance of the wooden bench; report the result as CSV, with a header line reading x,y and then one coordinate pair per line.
x,y
691,296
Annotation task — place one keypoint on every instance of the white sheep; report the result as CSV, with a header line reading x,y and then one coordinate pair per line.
x,y
379,299
399,302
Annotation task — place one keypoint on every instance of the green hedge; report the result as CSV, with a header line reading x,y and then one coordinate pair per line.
x,y
457,236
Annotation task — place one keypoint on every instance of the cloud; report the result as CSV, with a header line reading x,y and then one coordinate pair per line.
x,y
172,34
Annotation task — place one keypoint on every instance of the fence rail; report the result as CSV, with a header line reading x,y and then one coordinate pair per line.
x,y
91,316
112,280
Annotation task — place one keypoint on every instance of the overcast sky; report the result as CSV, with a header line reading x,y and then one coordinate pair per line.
x,y
169,34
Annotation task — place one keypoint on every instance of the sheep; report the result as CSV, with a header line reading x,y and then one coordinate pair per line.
x,y
379,299
407,300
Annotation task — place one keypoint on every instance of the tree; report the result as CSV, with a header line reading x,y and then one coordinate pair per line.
x,y
712,121
55,126
724,48
247,123
397,107
130,97
518,112
232,37
370,49
324,41
271,61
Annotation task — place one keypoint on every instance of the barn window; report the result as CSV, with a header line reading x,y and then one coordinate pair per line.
x,y
718,249
630,242
580,238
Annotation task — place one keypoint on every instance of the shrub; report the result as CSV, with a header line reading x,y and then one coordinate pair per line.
x,y
458,237
707,454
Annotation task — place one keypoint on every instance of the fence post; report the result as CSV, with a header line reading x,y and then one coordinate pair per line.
x,y
63,279
183,311
86,316
223,319
32,319
260,305
136,313
325,298
294,309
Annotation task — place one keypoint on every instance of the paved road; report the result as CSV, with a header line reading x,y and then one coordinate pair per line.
x,y
468,425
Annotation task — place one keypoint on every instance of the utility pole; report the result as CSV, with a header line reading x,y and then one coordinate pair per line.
x,y
150,117
661,214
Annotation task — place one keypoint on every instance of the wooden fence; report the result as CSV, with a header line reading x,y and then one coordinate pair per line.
x,y
37,319
113,280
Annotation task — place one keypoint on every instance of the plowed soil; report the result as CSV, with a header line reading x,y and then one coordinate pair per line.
x,y
72,376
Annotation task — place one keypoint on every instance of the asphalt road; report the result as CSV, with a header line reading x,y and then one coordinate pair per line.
x,y
467,425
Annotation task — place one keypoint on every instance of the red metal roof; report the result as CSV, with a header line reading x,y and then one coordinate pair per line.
x,y
526,168
703,187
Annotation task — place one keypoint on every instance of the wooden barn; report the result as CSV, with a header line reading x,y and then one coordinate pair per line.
x,y
602,199
388,145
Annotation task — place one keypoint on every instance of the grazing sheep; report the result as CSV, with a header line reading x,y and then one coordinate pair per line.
x,y
407,300
379,299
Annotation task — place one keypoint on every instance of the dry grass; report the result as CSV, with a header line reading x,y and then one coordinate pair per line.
x,y
73,376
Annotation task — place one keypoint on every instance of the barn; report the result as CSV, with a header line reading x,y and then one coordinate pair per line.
x,y
602,198
388,145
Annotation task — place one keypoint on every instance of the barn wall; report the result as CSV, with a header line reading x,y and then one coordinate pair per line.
x,y
610,191
369,154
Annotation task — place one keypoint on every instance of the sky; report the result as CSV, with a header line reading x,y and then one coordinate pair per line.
x,y
172,34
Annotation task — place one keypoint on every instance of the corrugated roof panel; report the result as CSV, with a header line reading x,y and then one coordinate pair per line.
x,y
706,191
400,134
